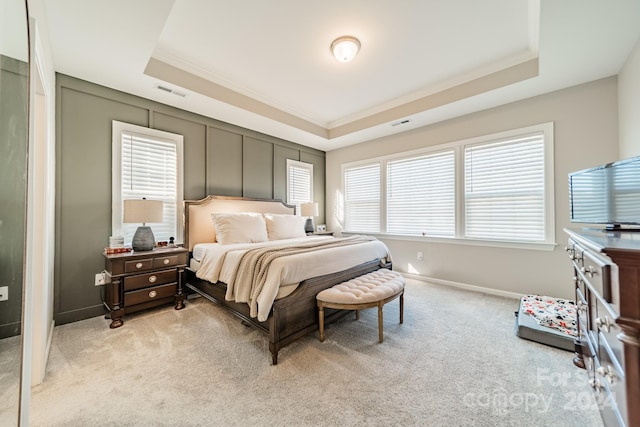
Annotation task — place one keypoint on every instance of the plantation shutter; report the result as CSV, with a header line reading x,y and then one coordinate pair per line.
x,y
362,198
299,183
421,195
504,190
149,169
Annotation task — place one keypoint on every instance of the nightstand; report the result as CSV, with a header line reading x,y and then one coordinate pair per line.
x,y
141,280
322,233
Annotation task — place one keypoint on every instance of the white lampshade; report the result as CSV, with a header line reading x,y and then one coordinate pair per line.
x,y
309,209
142,210
345,48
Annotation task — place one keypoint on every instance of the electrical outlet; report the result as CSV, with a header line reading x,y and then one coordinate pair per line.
x,y
419,255
100,279
4,293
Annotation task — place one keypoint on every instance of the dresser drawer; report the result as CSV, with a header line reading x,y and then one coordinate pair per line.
x,y
597,273
611,376
138,265
607,329
166,261
149,294
580,284
150,279
582,311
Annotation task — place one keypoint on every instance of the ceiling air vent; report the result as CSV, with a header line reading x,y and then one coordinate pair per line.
x,y
401,122
169,90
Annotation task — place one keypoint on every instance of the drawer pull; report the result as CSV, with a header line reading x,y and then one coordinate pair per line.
x,y
152,279
595,384
153,294
589,271
581,307
609,373
603,324
138,265
166,261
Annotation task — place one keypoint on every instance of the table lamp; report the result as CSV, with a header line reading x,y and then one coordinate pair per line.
x,y
309,210
144,211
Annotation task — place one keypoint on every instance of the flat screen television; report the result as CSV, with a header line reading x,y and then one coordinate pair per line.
x,y
607,194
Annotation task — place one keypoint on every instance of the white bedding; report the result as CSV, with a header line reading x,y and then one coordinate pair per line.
x,y
219,262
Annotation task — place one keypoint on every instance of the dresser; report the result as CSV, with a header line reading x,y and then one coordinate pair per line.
x,y
606,273
141,280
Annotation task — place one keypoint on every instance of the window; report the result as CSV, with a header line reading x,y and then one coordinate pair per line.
x,y
495,188
421,195
504,189
362,198
299,183
147,163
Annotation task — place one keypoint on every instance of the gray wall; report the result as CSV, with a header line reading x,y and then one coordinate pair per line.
x,y
219,158
585,134
13,188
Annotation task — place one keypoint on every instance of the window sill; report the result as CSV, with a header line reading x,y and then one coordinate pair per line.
x,y
469,242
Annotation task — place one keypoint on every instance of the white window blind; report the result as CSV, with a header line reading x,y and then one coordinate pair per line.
x,y
299,183
362,198
504,189
148,163
625,181
421,195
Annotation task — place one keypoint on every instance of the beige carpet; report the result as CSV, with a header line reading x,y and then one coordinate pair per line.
x,y
10,355
455,361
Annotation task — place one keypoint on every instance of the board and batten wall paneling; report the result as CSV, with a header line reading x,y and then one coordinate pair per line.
x,y
257,168
224,163
318,163
195,135
280,156
214,163
83,220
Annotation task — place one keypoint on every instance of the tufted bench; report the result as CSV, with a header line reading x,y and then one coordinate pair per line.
x,y
373,289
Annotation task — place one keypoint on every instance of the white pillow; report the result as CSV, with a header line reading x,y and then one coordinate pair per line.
x,y
246,227
284,226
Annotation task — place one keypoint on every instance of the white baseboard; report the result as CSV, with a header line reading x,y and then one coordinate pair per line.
x,y
466,286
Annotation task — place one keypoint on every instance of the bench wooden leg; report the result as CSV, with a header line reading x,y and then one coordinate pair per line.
x,y
357,314
380,322
402,307
321,321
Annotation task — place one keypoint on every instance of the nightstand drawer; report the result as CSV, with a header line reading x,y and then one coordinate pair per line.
x,y
139,265
166,261
150,279
149,294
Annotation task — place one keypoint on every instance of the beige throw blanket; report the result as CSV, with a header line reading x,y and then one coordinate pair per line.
x,y
252,270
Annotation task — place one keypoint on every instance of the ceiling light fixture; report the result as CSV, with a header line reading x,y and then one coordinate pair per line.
x,y
345,48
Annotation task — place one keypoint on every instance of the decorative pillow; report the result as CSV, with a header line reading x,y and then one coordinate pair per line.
x,y
284,226
246,227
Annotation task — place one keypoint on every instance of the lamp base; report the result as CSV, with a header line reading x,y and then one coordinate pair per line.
x,y
308,226
143,239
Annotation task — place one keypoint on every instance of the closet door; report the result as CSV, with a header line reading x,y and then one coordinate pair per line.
x,y
14,83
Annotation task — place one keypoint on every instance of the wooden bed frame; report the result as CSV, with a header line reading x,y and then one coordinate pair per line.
x,y
291,317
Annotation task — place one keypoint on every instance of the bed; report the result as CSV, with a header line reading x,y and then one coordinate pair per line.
x,y
231,239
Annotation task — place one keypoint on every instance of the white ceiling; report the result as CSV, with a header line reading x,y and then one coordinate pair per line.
x,y
266,65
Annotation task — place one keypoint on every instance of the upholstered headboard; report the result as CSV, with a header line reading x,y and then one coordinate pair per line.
x,y
198,227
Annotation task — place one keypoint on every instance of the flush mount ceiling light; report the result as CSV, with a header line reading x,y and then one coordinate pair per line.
x,y
345,48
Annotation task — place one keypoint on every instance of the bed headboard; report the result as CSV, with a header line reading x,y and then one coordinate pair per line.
x,y
198,227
